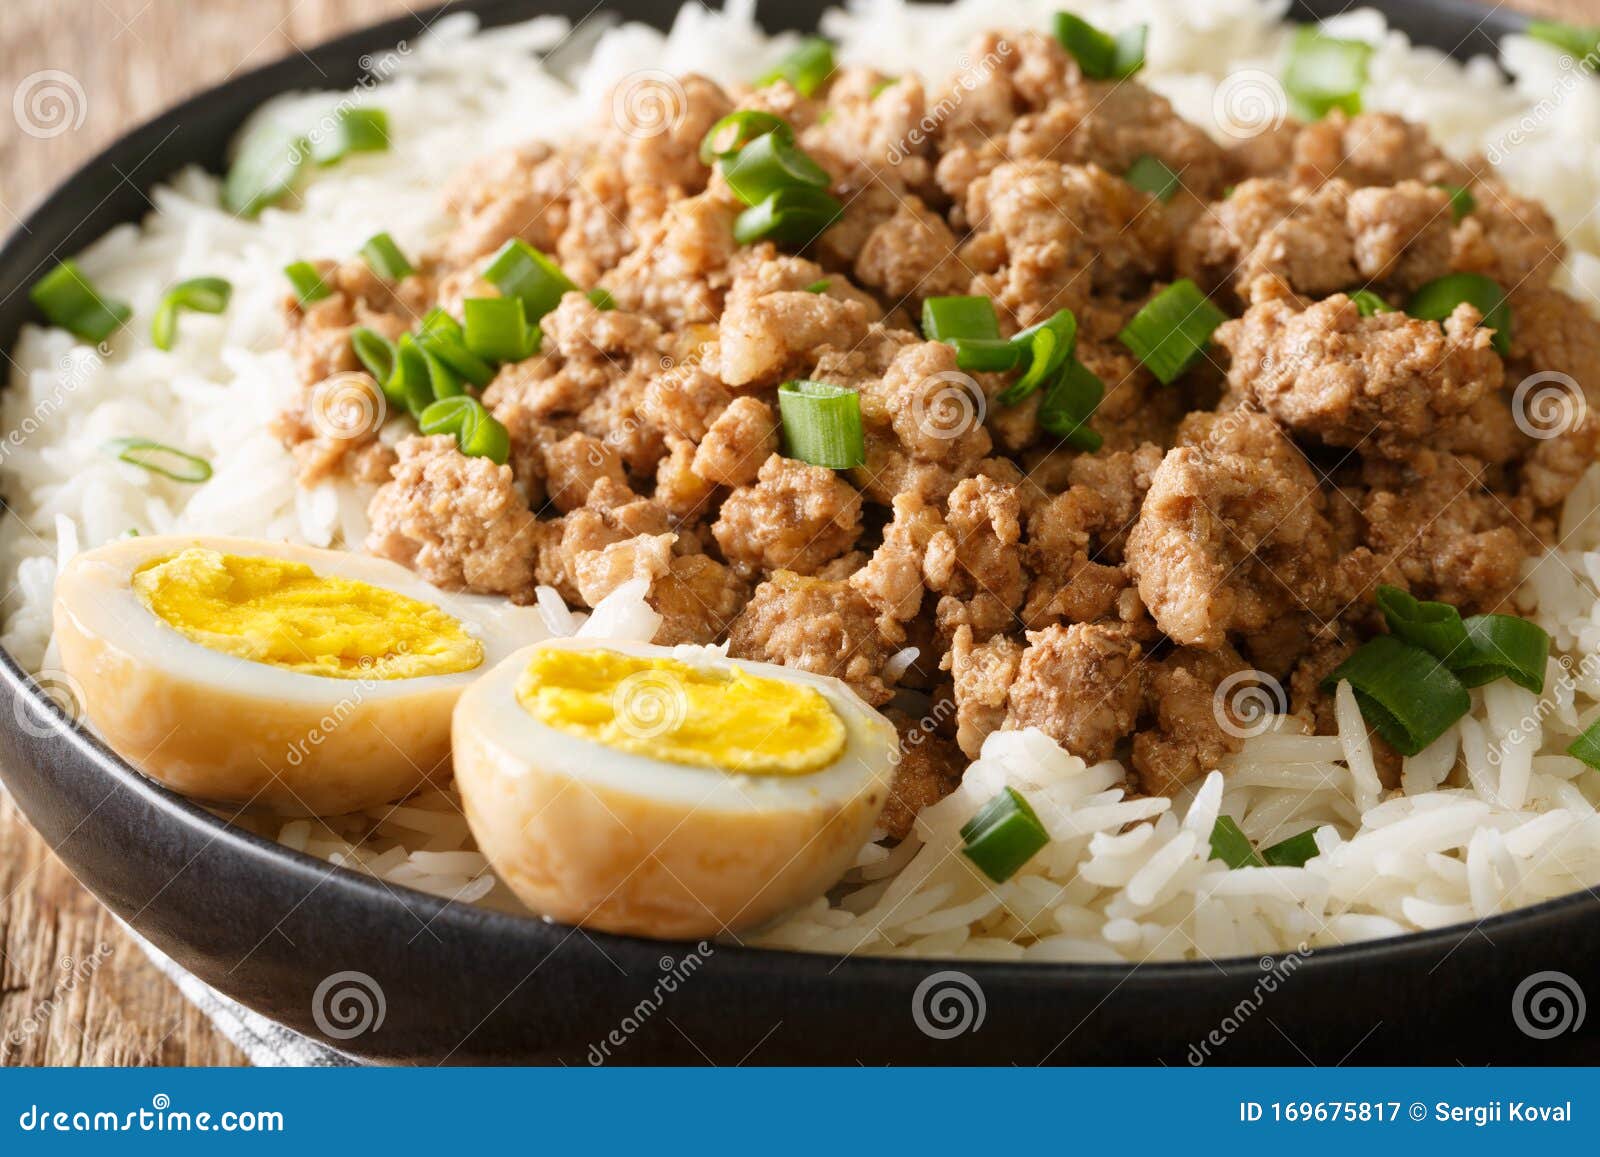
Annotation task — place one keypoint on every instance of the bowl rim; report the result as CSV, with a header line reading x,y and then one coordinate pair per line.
x,y
307,871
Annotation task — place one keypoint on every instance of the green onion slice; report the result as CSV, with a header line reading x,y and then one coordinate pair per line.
x,y
497,329
807,68
68,299
1435,627
1292,852
1324,73
1230,845
1587,746
410,386
982,355
769,164
520,270
822,424
1069,402
1046,346
730,134
944,318
1369,303
1462,201
158,458
374,351
820,286
477,432
1503,646
1003,836
264,169
307,281
352,130
384,258
1100,55
1151,175
200,294
599,297
1581,40
1407,694
795,216
1438,299
442,339
1170,332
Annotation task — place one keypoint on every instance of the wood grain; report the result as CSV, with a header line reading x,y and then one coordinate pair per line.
x,y
74,989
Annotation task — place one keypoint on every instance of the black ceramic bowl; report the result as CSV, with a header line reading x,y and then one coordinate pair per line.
x,y
268,926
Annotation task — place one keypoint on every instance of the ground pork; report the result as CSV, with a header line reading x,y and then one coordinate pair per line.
x,y
981,675
813,624
457,521
1081,685
795,517
929,768
1194,723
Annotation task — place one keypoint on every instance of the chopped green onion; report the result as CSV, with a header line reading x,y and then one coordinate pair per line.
x,y
497,329
1292,852
352,130
1046,347
1580,40
1407,694
307,281
264,168
983,355
158,458
1435,627
384,258
520,270
200,294
410,386
1503,646
807,68
1100,55
443,381
374,351
67,299
1462,201
881,86
1230,845
944,318
820,286
1369,303
1324,73
599,297
771,163
1003,836
1069,402
477,432
443,340
730,134
795,215
1151,175
822,424
1438,299
1170,332
1587,746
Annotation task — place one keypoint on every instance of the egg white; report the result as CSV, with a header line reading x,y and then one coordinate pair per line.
x,y
230,731
588,834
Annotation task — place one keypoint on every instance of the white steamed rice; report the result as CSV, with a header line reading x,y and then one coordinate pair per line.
x,y
1491,817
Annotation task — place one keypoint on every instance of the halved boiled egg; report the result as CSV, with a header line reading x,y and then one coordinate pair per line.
x,y
272,676
667,792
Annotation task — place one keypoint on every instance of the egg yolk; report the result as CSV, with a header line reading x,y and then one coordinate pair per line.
x,y
673,711
284,614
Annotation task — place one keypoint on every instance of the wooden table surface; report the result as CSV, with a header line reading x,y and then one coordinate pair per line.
x,y
74,989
